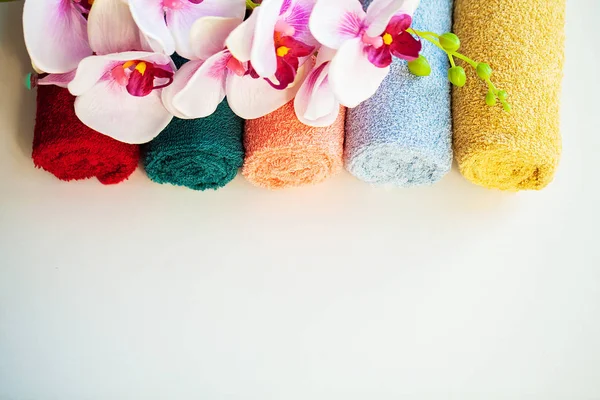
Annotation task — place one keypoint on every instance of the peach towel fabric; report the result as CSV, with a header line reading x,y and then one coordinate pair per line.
x,y
522,40
282,152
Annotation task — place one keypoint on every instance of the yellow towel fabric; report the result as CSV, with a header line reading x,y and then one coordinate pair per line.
x,y
523,41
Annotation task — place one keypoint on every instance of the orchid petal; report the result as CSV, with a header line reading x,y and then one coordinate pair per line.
x,y
111,28
325,54
315,103
109,109
398,24
405,46
180,20
352,77
380,13
208,35
60,80
253,98
298,16
149,16
93,68
180,80
239,42
335,21
205,89
49,25
380,57
263,57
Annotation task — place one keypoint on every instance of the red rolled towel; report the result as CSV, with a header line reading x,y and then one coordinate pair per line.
x,y
65,147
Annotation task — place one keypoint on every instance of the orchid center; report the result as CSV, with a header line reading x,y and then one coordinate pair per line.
x,y
289,52
395,41
282,51
142,77
387,39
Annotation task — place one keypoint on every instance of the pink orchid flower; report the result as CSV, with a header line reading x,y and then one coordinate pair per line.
x,y
275,45
275,40
365,43
315,103
119,88
199,86
55,33
167,23
202,83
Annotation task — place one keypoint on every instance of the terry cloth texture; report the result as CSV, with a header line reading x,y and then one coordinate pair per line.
x,y
200,154
282,152
65,147
402,135
522,40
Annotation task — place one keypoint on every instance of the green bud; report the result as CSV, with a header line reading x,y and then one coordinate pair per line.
x,y
457,76
502,95
484,71
490,99
450,42
506,107
419,67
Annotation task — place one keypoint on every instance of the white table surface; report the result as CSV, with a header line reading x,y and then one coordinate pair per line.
x,y
339,291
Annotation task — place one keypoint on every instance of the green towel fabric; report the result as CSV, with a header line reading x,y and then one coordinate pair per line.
x,y
200,154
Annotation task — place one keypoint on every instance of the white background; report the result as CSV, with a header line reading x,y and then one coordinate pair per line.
x,y
339,291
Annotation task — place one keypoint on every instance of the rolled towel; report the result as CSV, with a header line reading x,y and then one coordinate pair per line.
x,y
402,135
282,152
522,40
65,147
200,154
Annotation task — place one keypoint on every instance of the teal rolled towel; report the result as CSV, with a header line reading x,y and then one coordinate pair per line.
x,y
200,154
402,136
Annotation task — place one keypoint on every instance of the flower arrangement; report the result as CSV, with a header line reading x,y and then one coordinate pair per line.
x,y
115,57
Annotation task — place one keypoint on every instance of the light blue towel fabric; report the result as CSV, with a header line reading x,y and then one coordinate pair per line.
x,y
402,135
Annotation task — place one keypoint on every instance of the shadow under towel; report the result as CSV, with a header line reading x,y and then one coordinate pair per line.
x,y
402,135
70,150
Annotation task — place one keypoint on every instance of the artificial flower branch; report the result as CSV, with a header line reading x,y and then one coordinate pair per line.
x,y
450,43
256,54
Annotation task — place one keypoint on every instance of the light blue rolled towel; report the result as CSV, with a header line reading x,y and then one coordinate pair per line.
x,y
402,136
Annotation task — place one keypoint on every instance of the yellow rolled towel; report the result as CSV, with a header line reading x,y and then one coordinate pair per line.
x,y
523,41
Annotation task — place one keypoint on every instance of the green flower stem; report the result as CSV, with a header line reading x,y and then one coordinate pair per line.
x,y
465,59
451,60
434,38
250,5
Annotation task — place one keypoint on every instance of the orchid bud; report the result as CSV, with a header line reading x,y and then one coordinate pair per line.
x,y
484,71
419,67
450,42
502,95
457,76
490,99
506,107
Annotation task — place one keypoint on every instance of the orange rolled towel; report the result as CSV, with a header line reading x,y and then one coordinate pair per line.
x,y
282,152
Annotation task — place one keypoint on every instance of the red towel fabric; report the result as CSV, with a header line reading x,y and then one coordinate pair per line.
x,y
65,147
